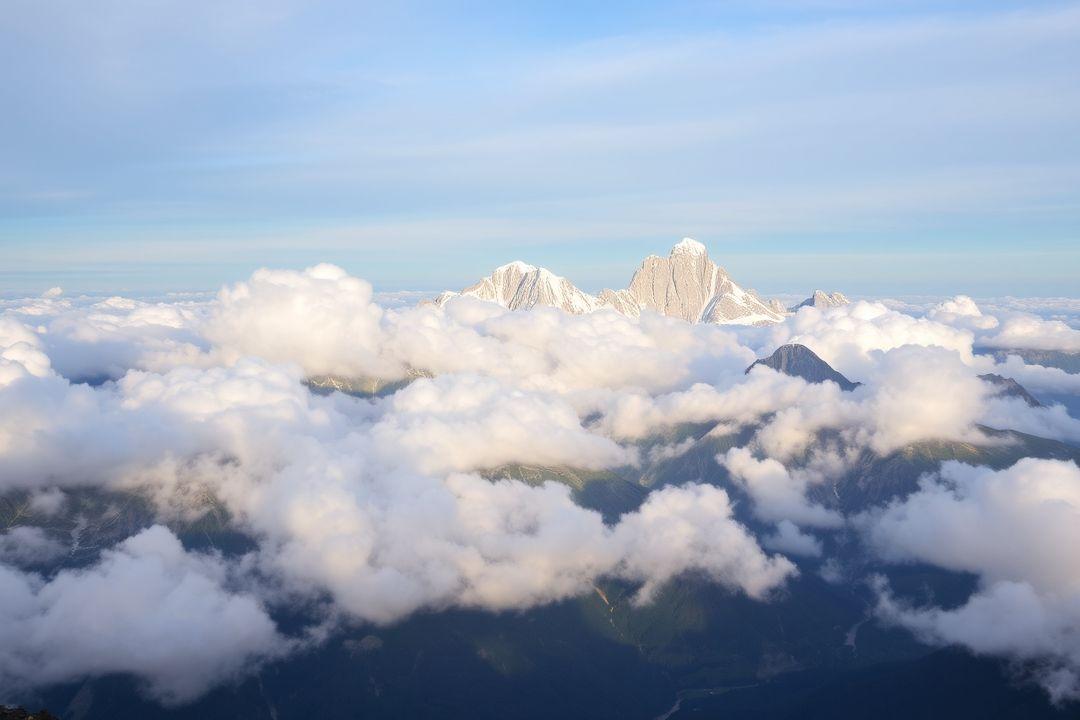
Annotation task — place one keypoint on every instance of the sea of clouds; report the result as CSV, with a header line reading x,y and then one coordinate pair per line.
x,y
368,510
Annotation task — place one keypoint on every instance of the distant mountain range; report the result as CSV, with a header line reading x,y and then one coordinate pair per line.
x,y
686,284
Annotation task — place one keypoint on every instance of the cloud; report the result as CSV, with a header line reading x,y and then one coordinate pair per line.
x,y
147,608
1018,531
690,528
386,543
27,545
789,539
368,510
846,336
963,312
321,319
457,422
778,495
1030,332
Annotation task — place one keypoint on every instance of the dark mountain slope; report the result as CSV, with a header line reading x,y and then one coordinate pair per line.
x,y
800,361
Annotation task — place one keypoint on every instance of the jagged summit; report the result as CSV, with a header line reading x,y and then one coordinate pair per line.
x,y
689,245
520,286
517,265
822,300
685,284
800,361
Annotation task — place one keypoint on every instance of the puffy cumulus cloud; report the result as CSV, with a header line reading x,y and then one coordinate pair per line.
x,y
1018,530
1012,324
88,339
921,394
55,433
384,544
911,393
846,336
21,353
778,495
372,509
107,338
320,319
962,311
326,322
147,608
745,400
546,349
457,422
690,528
1031,332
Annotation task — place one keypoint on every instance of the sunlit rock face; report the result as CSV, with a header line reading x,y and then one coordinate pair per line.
x,y
689,285
686,284
520,286
823,300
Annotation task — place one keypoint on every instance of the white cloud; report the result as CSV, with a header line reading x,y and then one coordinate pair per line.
x,y
467,422
846,336
28,545
376,506
690,528
321,319
147,608
1028,331
778,495
1018,530
789,539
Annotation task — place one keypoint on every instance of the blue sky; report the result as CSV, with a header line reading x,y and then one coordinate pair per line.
x,y
873,147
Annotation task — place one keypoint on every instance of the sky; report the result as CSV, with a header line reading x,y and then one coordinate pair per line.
x,y
871,147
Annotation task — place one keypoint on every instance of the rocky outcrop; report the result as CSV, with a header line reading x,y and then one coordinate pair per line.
x,y
687,284
822,301
800,361
520,286
1007,387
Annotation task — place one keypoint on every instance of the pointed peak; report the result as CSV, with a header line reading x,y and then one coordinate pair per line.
x,y
800,361
522,267
689,246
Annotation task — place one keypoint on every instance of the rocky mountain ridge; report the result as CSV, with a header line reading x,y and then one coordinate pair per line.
x,y
686,284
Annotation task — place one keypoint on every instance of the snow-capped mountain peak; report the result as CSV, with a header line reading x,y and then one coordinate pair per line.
x,y
519,286
517,266
685,284
689,245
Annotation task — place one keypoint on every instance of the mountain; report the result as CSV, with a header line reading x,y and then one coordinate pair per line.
x,y
689,285
520,286
800,361
822,300
1008,387
686,284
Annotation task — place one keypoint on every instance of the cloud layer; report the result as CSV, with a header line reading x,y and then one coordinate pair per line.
x,y
365,510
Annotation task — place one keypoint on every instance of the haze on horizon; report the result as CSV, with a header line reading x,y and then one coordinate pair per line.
x,y
907,147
